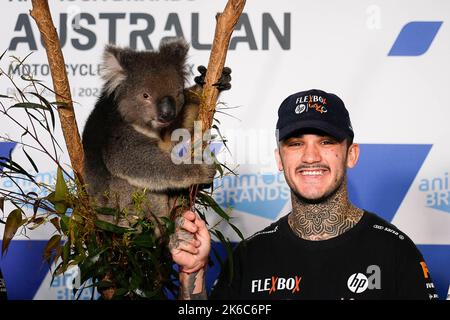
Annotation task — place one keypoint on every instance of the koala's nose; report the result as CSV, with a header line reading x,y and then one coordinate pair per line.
x,y
166,108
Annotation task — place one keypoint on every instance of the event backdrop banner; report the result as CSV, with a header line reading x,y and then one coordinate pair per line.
x,y
388,60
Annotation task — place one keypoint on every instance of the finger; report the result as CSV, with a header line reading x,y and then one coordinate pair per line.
x,y
188,247
199,222
186,216
189,226
202,228
189,215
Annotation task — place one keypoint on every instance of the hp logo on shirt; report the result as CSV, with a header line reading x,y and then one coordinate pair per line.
x,y
359,282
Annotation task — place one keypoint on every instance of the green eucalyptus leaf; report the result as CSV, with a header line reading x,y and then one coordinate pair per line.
x,y
61,187
1,57
13,222
65,254
48,107
64,222
15,167
60,207
144,240
107,211
218,258
55,222
61,191
36,223
110,227
31,160
28,105
58,252
52,244
238,232
214,205
168,224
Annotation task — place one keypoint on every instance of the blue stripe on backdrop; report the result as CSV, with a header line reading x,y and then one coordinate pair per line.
x,y
383,175
24,268
437,258
5,149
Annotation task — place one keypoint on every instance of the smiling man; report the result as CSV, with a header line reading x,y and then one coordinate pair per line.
x,y
326,248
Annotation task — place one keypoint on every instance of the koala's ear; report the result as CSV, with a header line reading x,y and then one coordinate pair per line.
x,y
113,73
174,49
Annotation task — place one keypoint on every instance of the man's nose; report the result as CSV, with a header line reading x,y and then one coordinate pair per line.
x,y
311,153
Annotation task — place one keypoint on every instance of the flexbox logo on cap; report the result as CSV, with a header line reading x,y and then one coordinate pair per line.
x,y
318,103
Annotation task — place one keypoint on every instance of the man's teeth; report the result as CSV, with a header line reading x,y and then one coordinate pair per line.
x,y
312,173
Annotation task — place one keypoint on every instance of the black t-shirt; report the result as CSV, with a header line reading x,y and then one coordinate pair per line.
x,y
372,260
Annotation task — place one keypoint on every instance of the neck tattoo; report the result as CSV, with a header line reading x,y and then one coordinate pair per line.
x,y
325,220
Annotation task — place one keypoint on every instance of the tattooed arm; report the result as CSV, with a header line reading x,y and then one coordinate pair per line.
x,y
192,285
190,246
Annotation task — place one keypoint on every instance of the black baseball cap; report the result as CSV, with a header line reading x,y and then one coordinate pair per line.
x,y
314,109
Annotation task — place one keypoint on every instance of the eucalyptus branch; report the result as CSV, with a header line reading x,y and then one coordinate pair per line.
x,y
36,139
41,14
46,120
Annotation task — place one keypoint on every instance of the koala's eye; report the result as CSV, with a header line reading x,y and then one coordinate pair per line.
x,y
146,95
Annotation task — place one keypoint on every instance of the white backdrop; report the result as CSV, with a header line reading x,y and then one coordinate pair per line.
x,y
388,60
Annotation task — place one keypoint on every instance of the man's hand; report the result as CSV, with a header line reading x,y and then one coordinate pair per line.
x,y
190,246
191,243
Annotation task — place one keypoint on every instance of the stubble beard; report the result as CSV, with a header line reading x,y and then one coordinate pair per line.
x,y
328,195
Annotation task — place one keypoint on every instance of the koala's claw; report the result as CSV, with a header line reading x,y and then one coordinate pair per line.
x,y
202,70
224,81
200,80
222,84
226,71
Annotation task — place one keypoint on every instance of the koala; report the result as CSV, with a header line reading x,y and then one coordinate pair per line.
x,y
126,138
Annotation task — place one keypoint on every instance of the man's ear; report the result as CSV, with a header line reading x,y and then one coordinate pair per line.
x,y
278,159
352,155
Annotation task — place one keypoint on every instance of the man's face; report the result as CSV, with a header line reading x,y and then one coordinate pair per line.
x,y
315,165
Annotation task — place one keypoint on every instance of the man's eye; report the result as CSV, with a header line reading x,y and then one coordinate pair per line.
x,y
294,144
327,142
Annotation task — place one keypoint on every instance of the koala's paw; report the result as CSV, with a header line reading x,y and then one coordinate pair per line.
x,y
222,84
200,80
224,80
